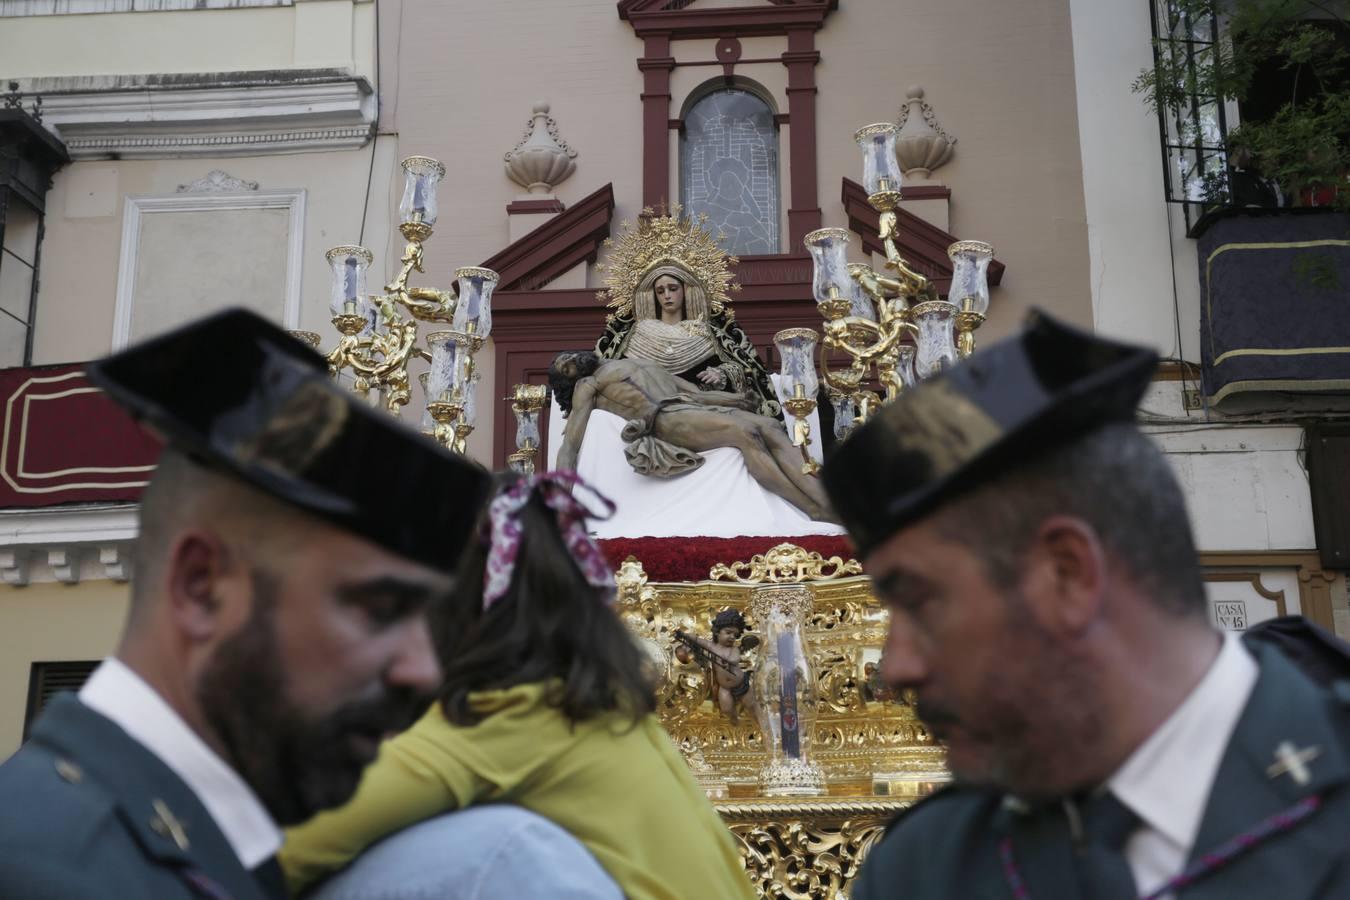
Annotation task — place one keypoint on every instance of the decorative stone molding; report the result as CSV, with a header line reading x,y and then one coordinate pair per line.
x,y
116,562
14,566
217,182
67,545
65,564
214,114
541,160
922,147
138,206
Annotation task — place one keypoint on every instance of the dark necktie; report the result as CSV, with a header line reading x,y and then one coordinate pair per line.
x,y
271,879
1107,824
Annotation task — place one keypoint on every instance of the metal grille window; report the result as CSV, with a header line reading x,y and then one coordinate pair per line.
x,y
20,236
29,155
1194,124
47,679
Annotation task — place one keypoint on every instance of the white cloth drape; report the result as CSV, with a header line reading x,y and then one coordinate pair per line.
x,y
719,499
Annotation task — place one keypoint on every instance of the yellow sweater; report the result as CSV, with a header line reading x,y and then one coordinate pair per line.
x,y
622,790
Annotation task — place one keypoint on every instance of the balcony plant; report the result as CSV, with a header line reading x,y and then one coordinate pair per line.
x,y
1286,65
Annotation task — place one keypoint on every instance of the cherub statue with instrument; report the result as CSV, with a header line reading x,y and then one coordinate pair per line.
x,y
722,654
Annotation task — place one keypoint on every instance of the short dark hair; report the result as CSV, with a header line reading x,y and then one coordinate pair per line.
x,y
183,492
550,626
1117,481
728,618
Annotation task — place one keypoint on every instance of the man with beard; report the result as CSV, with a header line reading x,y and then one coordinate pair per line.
x,y
1048,613
673,418
276,630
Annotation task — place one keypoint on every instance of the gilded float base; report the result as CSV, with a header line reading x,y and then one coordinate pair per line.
x,y
803,829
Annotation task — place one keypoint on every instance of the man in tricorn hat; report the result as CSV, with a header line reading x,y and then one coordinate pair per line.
x,y
1049,615
276,630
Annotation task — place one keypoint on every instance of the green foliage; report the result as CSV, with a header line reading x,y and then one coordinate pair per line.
x,y
1305,145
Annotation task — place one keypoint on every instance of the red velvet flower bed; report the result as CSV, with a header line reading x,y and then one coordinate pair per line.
x,y
690,558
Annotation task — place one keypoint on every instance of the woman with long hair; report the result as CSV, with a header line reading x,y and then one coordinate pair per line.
x,y
672,324
546,703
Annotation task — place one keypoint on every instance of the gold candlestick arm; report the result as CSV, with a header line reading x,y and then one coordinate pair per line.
x,y
966,323
801,432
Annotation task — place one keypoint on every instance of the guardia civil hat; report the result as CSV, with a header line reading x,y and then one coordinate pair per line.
x,y
274,419
1004,404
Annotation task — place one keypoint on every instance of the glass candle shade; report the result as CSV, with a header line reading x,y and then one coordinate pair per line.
x,y
473,309
797,347
936,341
829,262
350,264
421,175
448,358
784,686
428,423
527,428
905,365
881,169
862,306
469,415
970,275
844,413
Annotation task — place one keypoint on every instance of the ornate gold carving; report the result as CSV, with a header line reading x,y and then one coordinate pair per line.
x,y
806,850
791,601
661,240
874,753
783,564
631,580
859,732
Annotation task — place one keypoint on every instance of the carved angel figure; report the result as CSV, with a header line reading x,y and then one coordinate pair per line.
x,y
723,655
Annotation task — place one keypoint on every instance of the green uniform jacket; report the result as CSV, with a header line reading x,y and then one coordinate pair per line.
x,y
88,812
948,846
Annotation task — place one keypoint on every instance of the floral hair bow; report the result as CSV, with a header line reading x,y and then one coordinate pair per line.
x,y
555,489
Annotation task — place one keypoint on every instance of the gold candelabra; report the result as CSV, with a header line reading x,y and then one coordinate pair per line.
x,y
379,332
526,402
891,325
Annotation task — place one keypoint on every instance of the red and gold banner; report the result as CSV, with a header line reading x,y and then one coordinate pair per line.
x,y
63,441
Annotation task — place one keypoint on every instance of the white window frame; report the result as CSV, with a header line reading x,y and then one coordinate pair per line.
x,y
139,206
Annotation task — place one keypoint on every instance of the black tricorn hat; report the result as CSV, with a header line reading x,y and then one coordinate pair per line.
x,y
1026,394
273,418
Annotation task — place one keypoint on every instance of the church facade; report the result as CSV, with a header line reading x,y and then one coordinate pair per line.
x,y
217,150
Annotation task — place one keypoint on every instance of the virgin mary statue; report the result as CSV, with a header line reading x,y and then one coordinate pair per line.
x,y
678,314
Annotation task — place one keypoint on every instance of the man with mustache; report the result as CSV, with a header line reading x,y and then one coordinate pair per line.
x,y
276,629
1048,613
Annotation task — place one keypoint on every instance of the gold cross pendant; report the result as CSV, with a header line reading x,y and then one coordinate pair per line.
x,y
1291,761
166,824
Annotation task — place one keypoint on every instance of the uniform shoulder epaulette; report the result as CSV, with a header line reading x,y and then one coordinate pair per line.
x,y
33,779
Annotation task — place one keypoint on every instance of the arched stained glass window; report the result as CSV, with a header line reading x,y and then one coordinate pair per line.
x,y
729,169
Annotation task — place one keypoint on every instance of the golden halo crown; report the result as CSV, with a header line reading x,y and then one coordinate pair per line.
x,y
661,240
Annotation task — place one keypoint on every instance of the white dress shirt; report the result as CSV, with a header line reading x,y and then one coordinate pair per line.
x,y
123,696
1167,780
